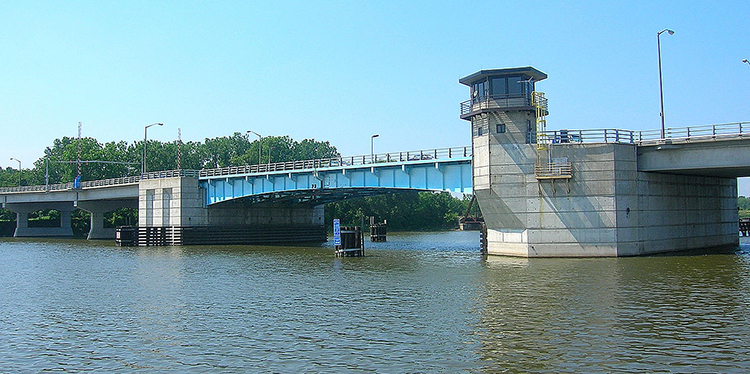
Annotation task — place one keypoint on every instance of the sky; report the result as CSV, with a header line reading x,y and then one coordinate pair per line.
x,y
341,71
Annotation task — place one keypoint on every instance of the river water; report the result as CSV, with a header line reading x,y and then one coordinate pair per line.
x,y
425,302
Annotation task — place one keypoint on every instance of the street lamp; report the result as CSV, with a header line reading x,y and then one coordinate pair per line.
x,y
661,90
372,147
145,135
260,142
746,61
19,170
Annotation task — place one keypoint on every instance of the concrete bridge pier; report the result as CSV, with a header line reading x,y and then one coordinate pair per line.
x,y
596,193
22,211
97,209
166,202
180,202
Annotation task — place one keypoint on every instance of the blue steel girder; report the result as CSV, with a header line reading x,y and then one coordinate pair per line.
x,y
324,185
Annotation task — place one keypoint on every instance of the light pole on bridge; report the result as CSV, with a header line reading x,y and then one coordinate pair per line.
x,y
746,61
260,143
661,90
19,170
145,135
372,147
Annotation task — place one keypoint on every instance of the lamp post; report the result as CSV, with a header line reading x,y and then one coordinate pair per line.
x,y
19,170
746,61
661,90
372,147
145,135
260,142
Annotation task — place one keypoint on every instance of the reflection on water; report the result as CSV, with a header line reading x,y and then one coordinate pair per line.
x,y
670,314
425,302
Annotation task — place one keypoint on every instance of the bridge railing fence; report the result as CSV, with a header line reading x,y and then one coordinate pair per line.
x,y
705,132
588,136
646,137
71,186
432,154
168,174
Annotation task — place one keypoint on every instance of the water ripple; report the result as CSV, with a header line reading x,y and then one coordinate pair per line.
x,y
407,307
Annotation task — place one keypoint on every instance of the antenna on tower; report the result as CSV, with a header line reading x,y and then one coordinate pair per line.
x,y
78,160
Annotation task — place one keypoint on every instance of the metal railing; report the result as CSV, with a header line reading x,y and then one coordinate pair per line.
x,y
556,170
70,185
647,137
696,133
496,101
588,136
170,174
432,154
101,182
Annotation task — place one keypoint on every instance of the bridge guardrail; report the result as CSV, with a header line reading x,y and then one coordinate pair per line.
x,y
432,154
70,186
647,137
169,174
696,133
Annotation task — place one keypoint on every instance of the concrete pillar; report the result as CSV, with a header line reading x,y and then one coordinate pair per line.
x,y
97,209
22,211
171,202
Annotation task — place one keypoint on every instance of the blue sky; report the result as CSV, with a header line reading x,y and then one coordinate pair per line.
x,y
344,70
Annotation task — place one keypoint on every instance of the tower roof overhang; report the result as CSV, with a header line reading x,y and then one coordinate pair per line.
x,y
528,71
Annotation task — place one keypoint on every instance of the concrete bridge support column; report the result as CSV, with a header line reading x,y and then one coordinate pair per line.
x,y
174,201
22,211
608,208
97,209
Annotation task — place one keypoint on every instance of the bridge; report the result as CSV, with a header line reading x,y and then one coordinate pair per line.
x,y
323,181
561,193
263,192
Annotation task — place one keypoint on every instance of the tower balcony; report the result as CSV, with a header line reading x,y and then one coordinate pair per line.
x,y
479,105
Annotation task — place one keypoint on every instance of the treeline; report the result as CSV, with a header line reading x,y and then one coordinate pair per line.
x,y
118,159
405,211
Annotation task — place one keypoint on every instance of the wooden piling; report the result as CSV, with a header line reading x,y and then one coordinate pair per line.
x,y
351,242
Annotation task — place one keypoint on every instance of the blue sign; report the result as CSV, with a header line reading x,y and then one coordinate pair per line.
x,y
336,232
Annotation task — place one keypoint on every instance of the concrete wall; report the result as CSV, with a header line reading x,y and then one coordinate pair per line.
x,y
171,202
608,208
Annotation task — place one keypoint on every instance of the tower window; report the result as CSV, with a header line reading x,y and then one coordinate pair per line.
x,y
498,87
500,128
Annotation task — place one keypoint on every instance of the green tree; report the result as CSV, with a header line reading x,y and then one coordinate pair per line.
x,y
405,211
220,152
284,148
10,177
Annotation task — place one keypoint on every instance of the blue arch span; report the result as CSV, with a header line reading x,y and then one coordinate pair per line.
x,y
338,183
